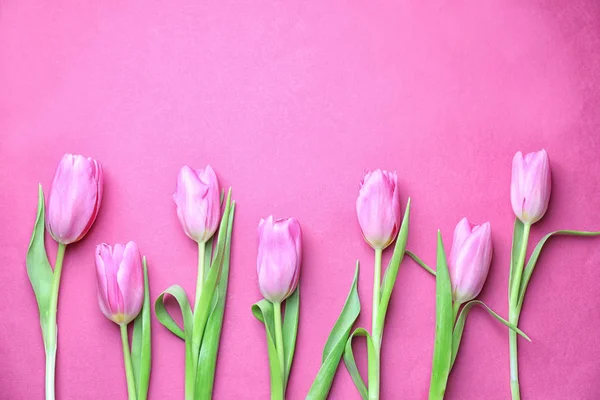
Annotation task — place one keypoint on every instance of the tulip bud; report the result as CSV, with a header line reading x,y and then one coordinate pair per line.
x,y
198,202
74,198
470,258
378,208
120,280
530,186
279,257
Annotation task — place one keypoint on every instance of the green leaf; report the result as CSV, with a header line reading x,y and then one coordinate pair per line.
x,y
391,273
38,267
536,254
460,326
165,319
290,331
336,343
210,344
351,362
442,351
420,262
515,253
263,311
141,344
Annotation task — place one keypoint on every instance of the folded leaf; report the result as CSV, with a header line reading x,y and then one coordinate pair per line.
x,y
141,343
442,351
263,311
336,343
351,362
420,262
290,331
460,325
536,254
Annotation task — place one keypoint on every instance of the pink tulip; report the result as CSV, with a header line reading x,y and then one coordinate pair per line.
x,y
530,186
75,198
120,281
279,257
470,258
198,202
378,208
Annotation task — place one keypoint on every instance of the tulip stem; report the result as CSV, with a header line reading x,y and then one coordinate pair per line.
x,y
200,279
50,337
279,340
514,312
128,364
376,330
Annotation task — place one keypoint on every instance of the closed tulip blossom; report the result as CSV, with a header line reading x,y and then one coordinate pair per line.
x,y
279,257
120,281
530,186
74,198
198,203
378,208
470,258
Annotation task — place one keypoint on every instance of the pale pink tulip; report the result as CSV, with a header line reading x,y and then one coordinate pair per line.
x,y
120,281
198,203
75,198
279,257
378,208
530,186
470,258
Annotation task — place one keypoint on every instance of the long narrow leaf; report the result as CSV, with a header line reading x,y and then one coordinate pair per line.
x,y
167,321
420,262
336,342
514,255
536,254
351,362
263,311
391,273
38,267
290,331
141,344
442,351
460,325
212,335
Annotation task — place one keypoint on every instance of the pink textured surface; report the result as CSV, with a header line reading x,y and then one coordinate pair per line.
x,y
290,102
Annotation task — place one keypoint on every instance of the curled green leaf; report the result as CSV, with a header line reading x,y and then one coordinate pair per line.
x,y
351,362
263,311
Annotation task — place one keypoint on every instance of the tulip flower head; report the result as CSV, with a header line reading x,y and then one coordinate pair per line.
x,y
470,258
74,198
530,186
198,202
279,257
378,208
120,280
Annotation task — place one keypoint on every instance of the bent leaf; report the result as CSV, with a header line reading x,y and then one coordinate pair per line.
x,y
442,351
336,342
536,254
263,311
184,305
141,344
460,326
290,331
351,362
420,262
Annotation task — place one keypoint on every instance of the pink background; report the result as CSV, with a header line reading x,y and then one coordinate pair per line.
x,y
290,102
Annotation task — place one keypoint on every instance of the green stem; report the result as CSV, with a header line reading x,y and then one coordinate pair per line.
x,y
200,279
513,314
127,360
376,330
279,340
191,368
50,337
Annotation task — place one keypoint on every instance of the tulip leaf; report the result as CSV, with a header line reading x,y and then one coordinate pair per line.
x,y
351,362
536,255
460,325
518,230
141,343
391,273
166,320
290,331
263,311
38,267
420,262
210,345
336,343
442,351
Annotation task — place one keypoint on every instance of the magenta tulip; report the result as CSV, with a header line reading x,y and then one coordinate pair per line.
x,y
530,186
120,281
75,198
378,208
279,257
198,203
470,258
